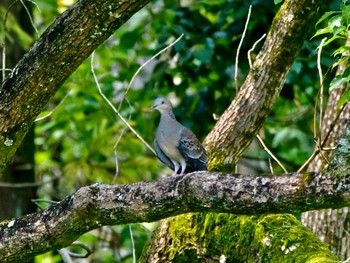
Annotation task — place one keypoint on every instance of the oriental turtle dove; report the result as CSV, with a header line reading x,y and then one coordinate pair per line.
x,y
175,145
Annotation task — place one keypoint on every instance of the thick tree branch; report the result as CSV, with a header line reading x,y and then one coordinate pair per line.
x,y
54,56
99,204
245,116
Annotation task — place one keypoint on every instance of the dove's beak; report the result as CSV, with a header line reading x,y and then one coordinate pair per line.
x,y
154,106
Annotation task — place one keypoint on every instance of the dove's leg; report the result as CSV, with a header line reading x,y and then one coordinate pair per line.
x,y
176,167
183,166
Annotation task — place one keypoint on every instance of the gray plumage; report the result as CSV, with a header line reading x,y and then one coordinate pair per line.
x,y
175,145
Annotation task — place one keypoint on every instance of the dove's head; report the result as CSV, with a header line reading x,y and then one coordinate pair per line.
x,y
163,105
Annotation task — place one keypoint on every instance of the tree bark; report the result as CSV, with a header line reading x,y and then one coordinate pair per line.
x,y
93,206
245,116
333,225
55,55
264,238
16,201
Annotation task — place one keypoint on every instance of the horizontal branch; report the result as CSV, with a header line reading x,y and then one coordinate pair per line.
x,y
99,204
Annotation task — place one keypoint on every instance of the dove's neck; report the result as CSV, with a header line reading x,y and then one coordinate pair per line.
x,y
167,115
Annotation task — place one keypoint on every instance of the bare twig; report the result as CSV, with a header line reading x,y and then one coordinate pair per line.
x,y
271,154
53,110
316,151
30,17
116,155
36,5
25,185
320,151
253,47
3,66
133,245
144,64
319,67
271,167
37,201
239,47
313,155
83,246
115,110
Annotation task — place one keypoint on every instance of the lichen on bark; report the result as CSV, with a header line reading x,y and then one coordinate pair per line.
x,y
265,238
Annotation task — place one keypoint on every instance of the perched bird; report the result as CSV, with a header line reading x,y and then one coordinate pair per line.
x,y
175,145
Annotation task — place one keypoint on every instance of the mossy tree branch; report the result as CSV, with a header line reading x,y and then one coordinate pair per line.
x,y
97,205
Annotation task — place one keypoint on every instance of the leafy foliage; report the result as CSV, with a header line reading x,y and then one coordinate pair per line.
x,y
337,29
77,142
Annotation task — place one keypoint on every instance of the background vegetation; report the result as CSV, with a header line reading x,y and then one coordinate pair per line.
x,y
83,141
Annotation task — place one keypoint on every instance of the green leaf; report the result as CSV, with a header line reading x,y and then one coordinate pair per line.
x,y
332,39
323,31
340,60
341,50
326,15
344,98
339,80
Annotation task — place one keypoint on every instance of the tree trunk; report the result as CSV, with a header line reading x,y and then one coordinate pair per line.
x,y
332,226
15,195
232,238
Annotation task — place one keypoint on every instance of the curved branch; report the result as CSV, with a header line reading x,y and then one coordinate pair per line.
x,y
100,204
54,56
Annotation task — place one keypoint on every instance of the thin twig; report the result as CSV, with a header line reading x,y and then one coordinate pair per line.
x,y
116,155
328,149
253,47
82,245
144,64
53,110
320,151
316,151
36,5
239,47
114,109
3,62
271,167
319,67
313,155
36,202
25,185
315,119
3,66
30,17
133,245
64,253
271,154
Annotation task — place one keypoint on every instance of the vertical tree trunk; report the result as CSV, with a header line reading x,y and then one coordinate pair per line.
x,y
331,225
15,198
